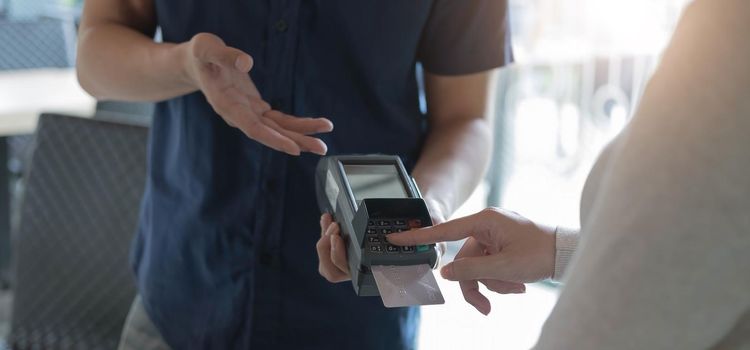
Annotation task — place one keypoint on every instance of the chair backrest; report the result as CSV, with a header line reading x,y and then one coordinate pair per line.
x,y
73,287
38,43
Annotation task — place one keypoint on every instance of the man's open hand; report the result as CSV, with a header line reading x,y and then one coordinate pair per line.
x,y
221,73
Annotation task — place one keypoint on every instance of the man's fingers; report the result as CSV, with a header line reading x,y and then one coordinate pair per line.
x,y
326,268
448,231
338,252
470,290
229,58
305,143
259,106
305,126
504,287
242,112
243,115
325,221
270,137
250,124
210,48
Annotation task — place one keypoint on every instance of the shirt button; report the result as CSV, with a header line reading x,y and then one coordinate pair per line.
x,y
271,185
281,26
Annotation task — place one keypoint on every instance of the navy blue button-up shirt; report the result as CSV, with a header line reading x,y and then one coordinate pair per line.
x,y
225,253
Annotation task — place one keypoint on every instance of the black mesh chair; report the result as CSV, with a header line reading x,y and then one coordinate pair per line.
x,y
36,43
72,284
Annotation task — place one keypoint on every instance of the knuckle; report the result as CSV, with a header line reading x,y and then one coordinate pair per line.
x,y
252,123
491,211
199,43
321,244
342,266
323,272
495,288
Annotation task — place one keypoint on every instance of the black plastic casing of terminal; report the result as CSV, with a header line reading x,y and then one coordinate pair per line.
x,y
335,196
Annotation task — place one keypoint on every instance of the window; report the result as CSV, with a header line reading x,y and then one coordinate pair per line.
x,y
581,66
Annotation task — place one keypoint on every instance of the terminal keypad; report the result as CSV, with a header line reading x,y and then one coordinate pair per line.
x,y
377,230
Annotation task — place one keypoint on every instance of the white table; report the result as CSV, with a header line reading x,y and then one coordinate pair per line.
x,y
24,94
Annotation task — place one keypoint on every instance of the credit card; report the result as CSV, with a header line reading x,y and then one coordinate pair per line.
x,y
407,285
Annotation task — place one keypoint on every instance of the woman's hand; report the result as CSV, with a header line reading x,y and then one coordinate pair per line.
x,y
221,73
503,251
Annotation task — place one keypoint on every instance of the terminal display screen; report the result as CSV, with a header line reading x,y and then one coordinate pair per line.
x,y
374,181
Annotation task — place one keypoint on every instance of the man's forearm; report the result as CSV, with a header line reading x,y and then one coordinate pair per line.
x,y
116,62
453,162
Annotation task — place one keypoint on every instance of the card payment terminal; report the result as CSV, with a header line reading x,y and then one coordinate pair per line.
x,y
371,196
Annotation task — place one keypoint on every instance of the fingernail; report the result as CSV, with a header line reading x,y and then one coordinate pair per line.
x,y
241,64
328,127
333,243
447,272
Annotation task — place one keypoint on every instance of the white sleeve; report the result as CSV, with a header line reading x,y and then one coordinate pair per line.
x,y
566,241
664,262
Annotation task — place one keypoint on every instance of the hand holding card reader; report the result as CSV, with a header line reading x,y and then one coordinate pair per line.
x,y
370,197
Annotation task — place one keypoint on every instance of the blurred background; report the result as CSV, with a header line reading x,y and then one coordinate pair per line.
x,y
69,187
